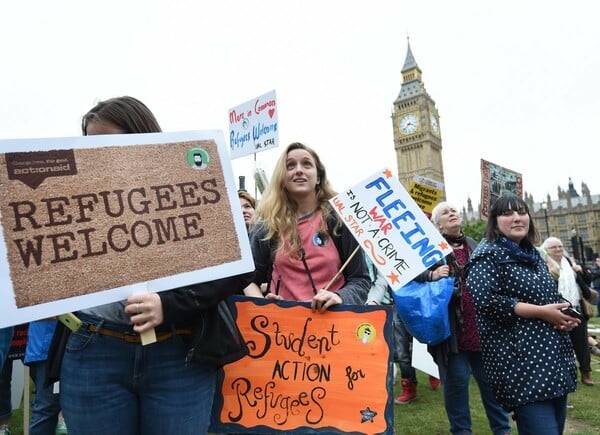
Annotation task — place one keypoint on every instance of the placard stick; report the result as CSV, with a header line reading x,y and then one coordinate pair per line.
x,y
342,268
26,401
149,336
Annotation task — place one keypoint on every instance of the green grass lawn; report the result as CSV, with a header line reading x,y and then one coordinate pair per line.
x,y
426,415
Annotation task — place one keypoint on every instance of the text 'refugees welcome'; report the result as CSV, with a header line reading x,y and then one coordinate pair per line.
x,y
95,223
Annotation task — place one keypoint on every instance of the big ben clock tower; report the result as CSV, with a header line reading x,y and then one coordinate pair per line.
x,y
417,135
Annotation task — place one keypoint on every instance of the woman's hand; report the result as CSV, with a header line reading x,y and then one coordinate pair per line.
x,y
440,272
273,296
325,299
145,311
551,313
253,290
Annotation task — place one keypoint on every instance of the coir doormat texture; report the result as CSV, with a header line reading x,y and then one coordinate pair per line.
x,y
80,221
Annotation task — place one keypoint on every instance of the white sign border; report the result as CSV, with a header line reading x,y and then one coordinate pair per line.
x,y
12,315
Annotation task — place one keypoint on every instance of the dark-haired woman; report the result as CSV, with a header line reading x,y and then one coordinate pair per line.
x,y
459,356
527,351
110,382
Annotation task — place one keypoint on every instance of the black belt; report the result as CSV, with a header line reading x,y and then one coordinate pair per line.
x,y
131,337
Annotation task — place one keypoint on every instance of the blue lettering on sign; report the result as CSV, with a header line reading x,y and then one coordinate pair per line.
x,y
405,221
262,129
237,140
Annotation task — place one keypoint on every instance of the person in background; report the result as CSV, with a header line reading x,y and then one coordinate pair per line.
x,y
45,411
571,291
248,204
459,356
523,328
299,243
110,382
379,294
595,273
5,379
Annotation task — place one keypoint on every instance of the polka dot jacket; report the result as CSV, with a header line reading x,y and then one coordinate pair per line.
x,y
526,360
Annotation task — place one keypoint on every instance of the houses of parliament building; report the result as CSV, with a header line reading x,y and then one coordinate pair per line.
x,y
573,216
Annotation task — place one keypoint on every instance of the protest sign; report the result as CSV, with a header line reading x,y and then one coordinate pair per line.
x,y
308,372
91,220
18,343
426,193
390,227
253,126
495,181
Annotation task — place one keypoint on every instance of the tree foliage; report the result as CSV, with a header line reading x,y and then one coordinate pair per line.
x,y
474,229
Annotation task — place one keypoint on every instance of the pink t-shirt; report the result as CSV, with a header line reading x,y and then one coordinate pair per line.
x,y
322,259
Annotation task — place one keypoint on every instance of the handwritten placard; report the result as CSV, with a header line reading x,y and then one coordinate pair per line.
x,y
91,220
308,371
391,228
253,126
426,193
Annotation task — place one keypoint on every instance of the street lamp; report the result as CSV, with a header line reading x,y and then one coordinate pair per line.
x,y
577,243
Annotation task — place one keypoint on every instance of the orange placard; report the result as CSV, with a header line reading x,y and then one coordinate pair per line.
x,y
308,371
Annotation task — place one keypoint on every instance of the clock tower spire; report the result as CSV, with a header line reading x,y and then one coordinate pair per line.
x,y
416,126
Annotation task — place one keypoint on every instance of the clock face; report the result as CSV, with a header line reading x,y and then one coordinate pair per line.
x,y
435,127
409,123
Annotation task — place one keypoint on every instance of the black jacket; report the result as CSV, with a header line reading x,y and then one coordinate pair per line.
x,y
215,336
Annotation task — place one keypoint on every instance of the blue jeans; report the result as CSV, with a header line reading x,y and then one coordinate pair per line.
x,y
46,406
456,395
546,417
111,386
403,345
5,380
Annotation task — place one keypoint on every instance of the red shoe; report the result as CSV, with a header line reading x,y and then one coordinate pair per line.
x,y
409,393
434,382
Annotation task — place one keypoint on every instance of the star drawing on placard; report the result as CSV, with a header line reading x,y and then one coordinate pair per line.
x,y
393,278
443,245
387,173
367,415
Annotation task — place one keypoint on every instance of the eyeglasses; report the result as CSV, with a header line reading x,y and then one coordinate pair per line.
x,y
520,212
555,247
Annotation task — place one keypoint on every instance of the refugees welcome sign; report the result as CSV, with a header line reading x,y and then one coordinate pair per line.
x,y
118,212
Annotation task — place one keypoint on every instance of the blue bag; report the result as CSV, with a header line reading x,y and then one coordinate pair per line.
x,y
423,308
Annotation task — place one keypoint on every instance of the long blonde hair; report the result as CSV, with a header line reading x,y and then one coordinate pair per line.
x,y
277,210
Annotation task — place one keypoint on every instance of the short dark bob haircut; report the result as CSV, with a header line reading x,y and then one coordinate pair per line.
x,y
506,202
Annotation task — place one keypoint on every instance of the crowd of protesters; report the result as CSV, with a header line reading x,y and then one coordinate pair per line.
x,y
516,319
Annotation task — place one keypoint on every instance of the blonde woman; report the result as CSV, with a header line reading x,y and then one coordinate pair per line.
x,y
299,243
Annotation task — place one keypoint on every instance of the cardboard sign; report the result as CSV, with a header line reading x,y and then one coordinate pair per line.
x,y
496,180
308,372
18,343
390,227
91,220
426,193
253,126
